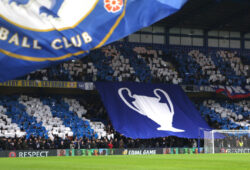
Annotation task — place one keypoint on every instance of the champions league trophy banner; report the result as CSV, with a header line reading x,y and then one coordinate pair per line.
x,y
36,34
150,110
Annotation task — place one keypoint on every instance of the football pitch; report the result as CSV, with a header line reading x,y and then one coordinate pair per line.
x,y
143,162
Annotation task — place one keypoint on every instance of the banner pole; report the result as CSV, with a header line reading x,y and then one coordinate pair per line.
x,y
199,141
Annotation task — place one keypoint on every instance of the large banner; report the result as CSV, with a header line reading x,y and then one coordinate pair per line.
x,y
35,34
150,110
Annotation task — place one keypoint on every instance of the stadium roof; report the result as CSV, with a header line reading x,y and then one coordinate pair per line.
x,y
231,15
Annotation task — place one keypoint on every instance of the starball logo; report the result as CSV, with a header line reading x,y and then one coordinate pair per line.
x,y
12,154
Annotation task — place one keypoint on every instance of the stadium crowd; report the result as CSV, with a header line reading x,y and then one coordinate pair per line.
x,y
35,136
232,141
218,114
119,141
152,64
223,114
35,122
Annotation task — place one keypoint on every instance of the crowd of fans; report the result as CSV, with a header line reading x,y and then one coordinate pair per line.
x,y
223,114
119,62
218,114
118,141
128,62
232,141
93,110
213,68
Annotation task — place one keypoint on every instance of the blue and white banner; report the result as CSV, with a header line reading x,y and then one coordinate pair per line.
x,y
150,110
36,34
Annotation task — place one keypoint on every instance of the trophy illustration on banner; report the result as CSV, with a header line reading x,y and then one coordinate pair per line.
x,y
151,107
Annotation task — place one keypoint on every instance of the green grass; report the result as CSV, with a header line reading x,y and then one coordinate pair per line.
x,y
199,162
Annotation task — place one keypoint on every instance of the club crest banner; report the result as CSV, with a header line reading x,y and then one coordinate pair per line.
x,y
36,34
150,110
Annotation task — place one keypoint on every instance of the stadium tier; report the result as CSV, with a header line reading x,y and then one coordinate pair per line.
x,y
130,62
47,118
81,123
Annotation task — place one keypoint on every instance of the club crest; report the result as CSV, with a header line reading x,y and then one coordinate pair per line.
x,y
46,14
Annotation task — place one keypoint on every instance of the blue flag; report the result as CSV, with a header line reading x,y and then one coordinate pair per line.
x,y
150,110
36,34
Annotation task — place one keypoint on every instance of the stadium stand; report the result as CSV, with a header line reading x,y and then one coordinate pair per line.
x,y
56,118
161,70
47,117
221,59
226,114
43,114
9,129
57,122
121,66
66,122
62,126
142,64
189,69
208,67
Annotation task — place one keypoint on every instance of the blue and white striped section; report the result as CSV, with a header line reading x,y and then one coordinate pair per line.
x,y
142,71
121,66
224,65
42,113
77,68
243,110
101,63
159,68
98,127
234,61
7,128
68,118
229,115
207,65
17,113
